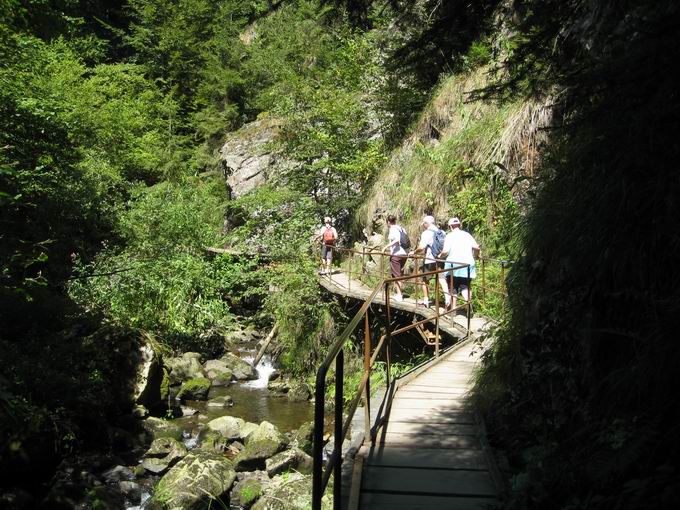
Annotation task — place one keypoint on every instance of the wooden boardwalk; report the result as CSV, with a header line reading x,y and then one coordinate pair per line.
x,y
456,326
431,452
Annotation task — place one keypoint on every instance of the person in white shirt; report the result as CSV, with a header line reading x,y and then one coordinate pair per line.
x,y
460,248
327,235
429,262
397,253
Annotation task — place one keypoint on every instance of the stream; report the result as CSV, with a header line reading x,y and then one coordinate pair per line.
x,y
253,402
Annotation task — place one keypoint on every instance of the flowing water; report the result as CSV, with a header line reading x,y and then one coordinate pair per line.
x,y
252,401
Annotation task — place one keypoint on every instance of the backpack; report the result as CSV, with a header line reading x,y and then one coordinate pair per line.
x,y
438,243
328,237
404,241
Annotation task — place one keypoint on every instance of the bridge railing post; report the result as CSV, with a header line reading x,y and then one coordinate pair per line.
x,y
367,370
388,337
337,443
436,320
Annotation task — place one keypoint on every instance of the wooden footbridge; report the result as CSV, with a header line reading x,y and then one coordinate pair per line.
x,y
424,446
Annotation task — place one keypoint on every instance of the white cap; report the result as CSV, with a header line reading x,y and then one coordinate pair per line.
x,y
454,221
428,219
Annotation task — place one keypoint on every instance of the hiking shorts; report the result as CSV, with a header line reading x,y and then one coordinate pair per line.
x,y
397,263
460,283
326,252
426,268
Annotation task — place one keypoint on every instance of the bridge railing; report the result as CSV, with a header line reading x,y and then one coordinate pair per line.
x,y
380,295
369,265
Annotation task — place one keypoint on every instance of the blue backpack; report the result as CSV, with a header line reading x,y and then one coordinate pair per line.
x,y
438,243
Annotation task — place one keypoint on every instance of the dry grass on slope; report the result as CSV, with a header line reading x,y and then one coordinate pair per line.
x,y
454,137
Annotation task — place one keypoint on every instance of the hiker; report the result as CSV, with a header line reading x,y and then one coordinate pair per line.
x,y
431,243
460,248
398,244
327,235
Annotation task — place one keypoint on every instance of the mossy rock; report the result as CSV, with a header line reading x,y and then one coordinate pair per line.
x,y
256,454
213,441
290,491
229,426
163,454
194,389
162,428
200,480
250,491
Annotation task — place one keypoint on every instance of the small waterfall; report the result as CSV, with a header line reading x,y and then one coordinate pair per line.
x,y
264,370
145,497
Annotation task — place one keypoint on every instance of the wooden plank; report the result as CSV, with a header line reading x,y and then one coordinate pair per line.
x,y
355,489
431,416
431,404
439,429
416,391
426,458
383,501
428,481
435,384
420,440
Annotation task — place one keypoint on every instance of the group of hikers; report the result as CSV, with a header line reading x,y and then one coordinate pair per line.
x,y
455,250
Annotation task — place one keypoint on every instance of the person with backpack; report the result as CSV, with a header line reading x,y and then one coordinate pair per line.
x,y
460,248
431,244
398,244
328,236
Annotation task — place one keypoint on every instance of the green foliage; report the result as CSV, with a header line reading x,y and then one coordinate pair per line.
x,y
306,322
580,382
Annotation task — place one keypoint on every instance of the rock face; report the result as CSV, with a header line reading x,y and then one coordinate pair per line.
x,y
241,369
246,157
199,480
149,377
163,454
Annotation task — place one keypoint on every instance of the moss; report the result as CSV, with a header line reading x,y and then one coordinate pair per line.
x,y
194,389
165,386
250,491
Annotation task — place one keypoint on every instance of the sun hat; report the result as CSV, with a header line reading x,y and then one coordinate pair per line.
x,y
428,219
454,221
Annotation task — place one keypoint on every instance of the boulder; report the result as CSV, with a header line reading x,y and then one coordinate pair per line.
x,y
281,386
263,442
241,369
213,441
224,401
140,412
117,474
268,432
163,454
194,389
289,459
149,377
186,367
229,426
248,488
104,497
255,454
188,411
248,429
200,480
132,491
162,428
303,438
292,491
218,372
299,392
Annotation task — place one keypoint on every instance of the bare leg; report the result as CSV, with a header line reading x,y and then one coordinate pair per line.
x,y
445,288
